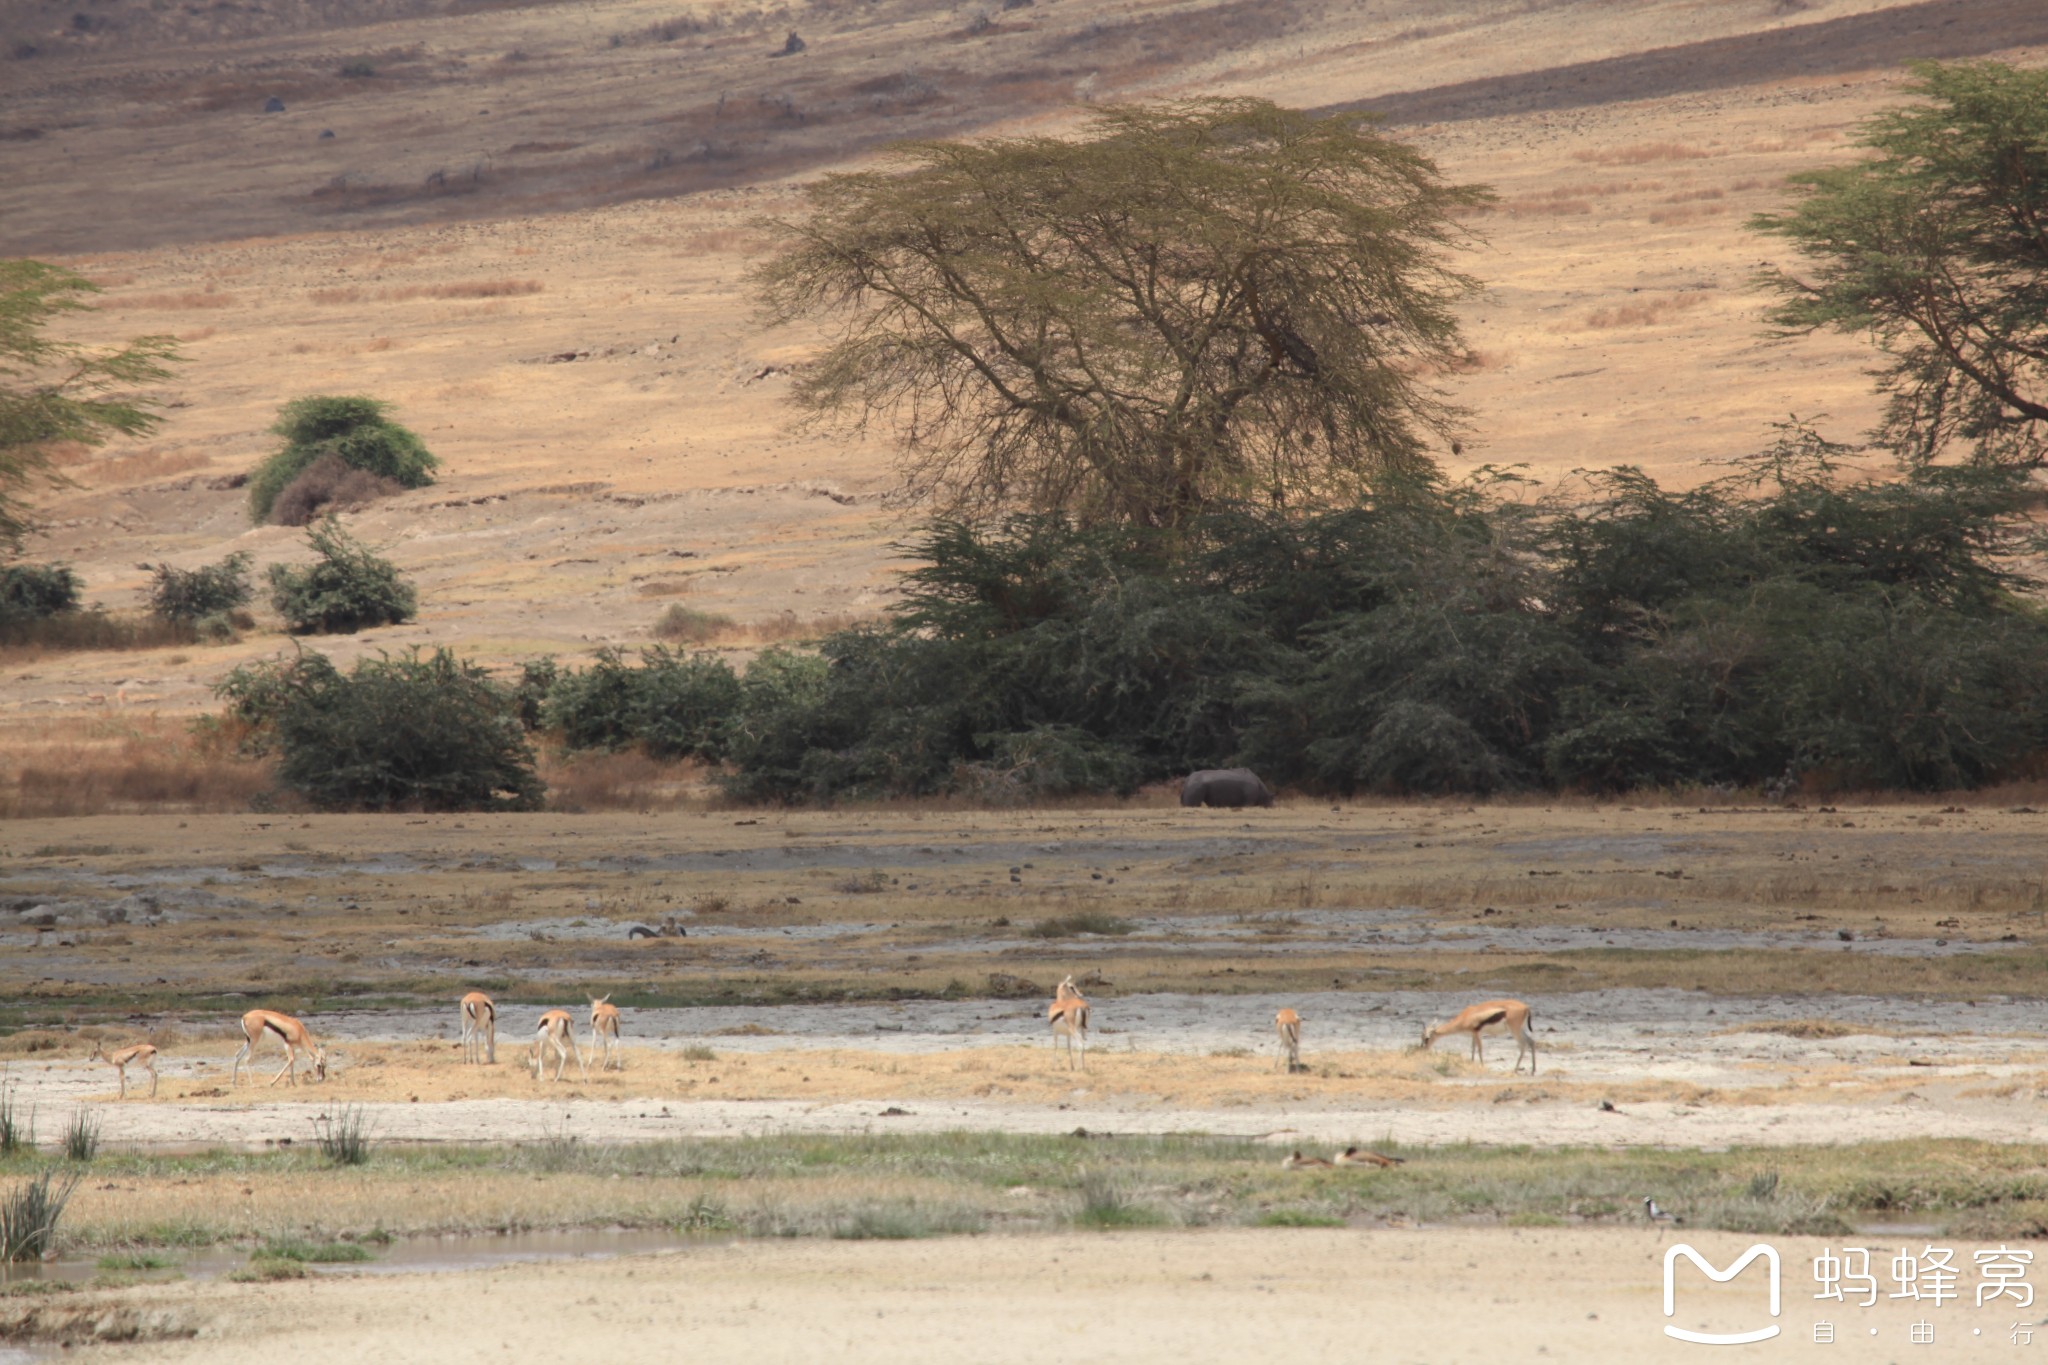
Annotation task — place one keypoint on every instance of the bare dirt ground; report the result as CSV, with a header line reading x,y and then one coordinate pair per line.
x,y
1440,1296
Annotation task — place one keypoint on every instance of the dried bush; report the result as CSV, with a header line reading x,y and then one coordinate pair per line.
x,y
326,486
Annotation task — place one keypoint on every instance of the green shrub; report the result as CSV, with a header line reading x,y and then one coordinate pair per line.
x,y
33,591
258,693
352,429
1791,622
671,705
190,594
411,732
346,589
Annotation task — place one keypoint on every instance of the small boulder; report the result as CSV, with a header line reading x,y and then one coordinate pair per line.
x,y
273,105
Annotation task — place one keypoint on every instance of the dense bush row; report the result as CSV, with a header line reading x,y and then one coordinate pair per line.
x,y
1789,624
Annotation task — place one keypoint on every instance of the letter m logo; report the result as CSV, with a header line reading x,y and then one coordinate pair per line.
x,y
1741,1263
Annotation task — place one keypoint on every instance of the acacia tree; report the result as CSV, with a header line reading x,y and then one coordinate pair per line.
x,y
53,390
1195,302
1937,246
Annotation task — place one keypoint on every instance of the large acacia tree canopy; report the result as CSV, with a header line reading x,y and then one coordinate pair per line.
x,y
1198,302
1937,246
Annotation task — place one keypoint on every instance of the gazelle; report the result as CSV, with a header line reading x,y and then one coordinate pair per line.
x,y
558,1032
142,1054
1512,1014
604,1034
1068,1014
1288,1025
1359,1156
1295,1161
479,1029
287,1030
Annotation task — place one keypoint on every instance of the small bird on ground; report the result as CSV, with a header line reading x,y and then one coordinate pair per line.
x,y
1657,1214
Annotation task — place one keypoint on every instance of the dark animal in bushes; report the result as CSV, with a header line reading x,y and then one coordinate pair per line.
x,y
1225,787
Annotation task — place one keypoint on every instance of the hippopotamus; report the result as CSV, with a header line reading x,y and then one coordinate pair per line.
x,y
1225,787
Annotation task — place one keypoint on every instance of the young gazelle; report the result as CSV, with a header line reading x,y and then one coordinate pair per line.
x,y
604,1034
287,1030
1288,1025
1068,1014
1295,1161
556,1031
479,1029
142,1055
1512,1014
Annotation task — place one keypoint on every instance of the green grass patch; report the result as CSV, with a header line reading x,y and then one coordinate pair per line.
x,y
1296,1218
1081,922
312,1253
137,1260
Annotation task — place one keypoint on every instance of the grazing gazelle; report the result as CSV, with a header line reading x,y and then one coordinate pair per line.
x,y
604,1034
142,1055
287,1030
558,1032
1359,1156
479,1028
1068,1014
1512,1014
1288,1025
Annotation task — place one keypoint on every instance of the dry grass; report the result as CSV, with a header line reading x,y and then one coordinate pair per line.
x,y
627,780
170,303
143,466
1686,214
1646,313
1640,153
463,289
70,632
724,241
117,764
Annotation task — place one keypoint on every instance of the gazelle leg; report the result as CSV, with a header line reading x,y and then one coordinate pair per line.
x,y
291,1062
585,1066
122,1072
236,1078
152,1078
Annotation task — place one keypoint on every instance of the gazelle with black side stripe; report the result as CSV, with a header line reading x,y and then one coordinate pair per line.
x,y
257,1024
1512,1015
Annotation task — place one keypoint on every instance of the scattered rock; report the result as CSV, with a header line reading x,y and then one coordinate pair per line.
x,y
273,105
326,135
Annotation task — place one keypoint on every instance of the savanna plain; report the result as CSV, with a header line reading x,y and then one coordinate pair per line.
x,y
840,1128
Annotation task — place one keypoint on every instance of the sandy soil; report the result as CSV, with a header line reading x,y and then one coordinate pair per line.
x,y
1444,1297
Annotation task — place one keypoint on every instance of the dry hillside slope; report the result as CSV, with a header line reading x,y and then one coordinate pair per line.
x,y
530,231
